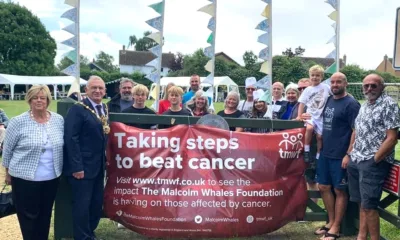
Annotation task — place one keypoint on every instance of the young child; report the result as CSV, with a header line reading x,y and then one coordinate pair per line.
x,y
314,97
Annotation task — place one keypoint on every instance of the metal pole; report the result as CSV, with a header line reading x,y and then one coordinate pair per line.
x,y
160,60
338,37
78,47
270,42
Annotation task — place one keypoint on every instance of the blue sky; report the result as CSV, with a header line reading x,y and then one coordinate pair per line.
x,y
367,26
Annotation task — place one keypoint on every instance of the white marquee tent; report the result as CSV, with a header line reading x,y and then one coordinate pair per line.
x,y
13,80
185,82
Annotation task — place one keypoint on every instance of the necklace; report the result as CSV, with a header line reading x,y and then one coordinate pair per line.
x,y
103,119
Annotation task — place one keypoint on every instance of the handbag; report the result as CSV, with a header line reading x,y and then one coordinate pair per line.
x,y
7,207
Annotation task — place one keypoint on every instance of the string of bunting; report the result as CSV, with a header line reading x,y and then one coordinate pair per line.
x,y
157,23
210,9
334,39
73,42
266,53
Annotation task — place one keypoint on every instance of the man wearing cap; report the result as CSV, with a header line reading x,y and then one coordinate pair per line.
x,y
247,105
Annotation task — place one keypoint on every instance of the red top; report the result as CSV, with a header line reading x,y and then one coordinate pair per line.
x,y
163,106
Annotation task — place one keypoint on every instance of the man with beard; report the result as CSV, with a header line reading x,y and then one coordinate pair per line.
x,y
124,98
374,138
338,120
194,87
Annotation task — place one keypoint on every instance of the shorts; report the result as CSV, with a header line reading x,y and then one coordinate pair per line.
x,y
330,172
366,181
317,125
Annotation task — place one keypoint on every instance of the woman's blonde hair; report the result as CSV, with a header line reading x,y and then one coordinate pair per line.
x,y
175,90
235,95
140,88
35,89
191,104
169,85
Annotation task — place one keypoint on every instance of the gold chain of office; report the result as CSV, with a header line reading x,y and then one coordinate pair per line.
x,y
103,119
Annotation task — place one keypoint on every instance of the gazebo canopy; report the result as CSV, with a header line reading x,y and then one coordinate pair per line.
x,y
13,80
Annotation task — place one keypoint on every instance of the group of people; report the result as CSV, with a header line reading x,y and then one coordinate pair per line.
x,y
40,145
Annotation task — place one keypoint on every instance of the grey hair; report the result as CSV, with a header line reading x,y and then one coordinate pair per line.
x,y
124,80
233,94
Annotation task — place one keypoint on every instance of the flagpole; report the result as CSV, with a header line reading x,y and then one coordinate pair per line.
x,y
157,100
338,37
213,58
78,48
270,41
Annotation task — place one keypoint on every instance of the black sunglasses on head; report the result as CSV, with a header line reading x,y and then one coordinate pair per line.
x,y
301,88
372,86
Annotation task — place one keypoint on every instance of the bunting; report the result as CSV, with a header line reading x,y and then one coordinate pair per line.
x,y
157,23
334,16
73,42
265,25
210,9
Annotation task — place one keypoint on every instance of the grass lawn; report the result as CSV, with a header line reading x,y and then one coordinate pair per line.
x,y
107,229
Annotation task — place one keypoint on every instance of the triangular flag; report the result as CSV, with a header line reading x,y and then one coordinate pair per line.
x,y
267,97
155,36
264,67
156,50
211,24
155,92
158,7
72,3
70,28
71,14
71,70
75,87
156,23
70,42
213,1
154,77
263,39
267,12
332,54
153,63
263,26
209,79
331,69
210,38
267,1
333,3
71,55
209,51
264,54
264,83
332,40
209,66
333,16
209,9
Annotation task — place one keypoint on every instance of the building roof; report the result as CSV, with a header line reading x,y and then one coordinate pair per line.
x,y
223,55
94,66
325,62
141,58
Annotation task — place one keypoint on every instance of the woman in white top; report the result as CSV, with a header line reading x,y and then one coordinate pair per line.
x,y
33,157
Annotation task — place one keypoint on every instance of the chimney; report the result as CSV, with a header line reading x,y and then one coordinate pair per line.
x,y
344,60
385,59
123,47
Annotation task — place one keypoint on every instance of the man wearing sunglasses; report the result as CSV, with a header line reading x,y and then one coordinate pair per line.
x,y
374,138
246,106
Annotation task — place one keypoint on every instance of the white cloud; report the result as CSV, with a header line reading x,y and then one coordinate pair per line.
x,y
42,8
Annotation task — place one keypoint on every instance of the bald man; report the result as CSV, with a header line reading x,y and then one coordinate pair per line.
x,y
374,138
338,119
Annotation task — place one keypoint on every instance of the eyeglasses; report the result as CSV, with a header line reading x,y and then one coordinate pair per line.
x,y
301,88
250,89
372,86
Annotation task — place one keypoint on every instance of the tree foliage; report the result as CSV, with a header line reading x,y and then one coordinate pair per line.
x,y
250,59
142,44
26,48
105,61
66,62
298,52
177,63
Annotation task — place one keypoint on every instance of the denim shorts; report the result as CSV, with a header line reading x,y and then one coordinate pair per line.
x,y
366,180
330,172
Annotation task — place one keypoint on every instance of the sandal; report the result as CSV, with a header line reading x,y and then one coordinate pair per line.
x,y
319,230
331,235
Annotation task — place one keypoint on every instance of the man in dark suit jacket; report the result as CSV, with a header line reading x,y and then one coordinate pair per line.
x,y
84,160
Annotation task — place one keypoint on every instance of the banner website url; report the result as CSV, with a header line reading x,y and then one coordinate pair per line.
x,y
162,181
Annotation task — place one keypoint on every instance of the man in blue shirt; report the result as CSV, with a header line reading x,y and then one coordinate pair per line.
x,y
339,115
194,87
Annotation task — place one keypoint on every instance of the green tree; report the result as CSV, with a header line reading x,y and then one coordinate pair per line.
x,y
105,61
298,52
288,69
250,59
142,44
66,62
26,48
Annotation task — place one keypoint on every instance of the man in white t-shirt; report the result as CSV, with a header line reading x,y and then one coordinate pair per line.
x,y
314,97
246,105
